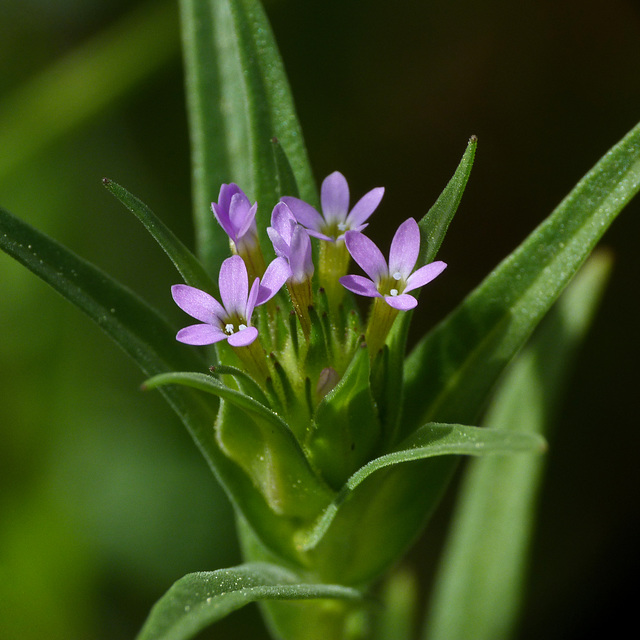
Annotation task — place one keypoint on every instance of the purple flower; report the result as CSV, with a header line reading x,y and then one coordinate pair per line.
x,y
336,219
230,320
392,281
292,242
236,215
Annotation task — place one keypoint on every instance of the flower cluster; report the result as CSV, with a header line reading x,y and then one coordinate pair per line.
x,y
327,324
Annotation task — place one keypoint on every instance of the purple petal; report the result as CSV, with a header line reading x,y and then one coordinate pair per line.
x,y
425,274
403,302
283,221
405,248
361,286
366,254
300,259
279,245
277,273
234,285
199,334
222,216
227,191
251,300
304,213
241,214
221,208
198,304
321,236
364,207
243,337
334,196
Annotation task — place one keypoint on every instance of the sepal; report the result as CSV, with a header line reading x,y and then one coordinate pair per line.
x,y
345,428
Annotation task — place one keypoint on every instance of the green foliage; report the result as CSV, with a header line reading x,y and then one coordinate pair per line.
x,y
429,441
345,424
451,372
199,599
484,566
339,499
189,267
239,100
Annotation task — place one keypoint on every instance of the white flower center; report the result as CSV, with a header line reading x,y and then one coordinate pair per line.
x,y
397,276
241,327
393,292
229,329
342,226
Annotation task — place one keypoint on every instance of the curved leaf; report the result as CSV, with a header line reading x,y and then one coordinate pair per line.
x,y
200,599
150,341
433,227
259,441
479,585
134,325
245,382
209,384
434,224
429,441
452,370
184,261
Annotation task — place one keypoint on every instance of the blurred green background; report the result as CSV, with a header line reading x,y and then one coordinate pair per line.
x,y
104,501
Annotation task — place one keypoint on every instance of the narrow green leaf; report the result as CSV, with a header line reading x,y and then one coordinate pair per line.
x,y
433,227
185,262
270,107
150,341
135,326
434,224
246,383
209,384
479,585
238,100
429,441
452,370
200,599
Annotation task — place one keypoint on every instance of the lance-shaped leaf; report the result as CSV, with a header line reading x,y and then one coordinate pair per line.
x,y
433,227
238,99
133,324
150,341
199,599
260,442
480,582
354,533
434,224
184,261
452,370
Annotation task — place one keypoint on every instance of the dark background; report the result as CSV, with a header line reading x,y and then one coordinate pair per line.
x,y
104,501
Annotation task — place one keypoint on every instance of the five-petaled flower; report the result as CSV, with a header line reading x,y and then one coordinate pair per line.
x,y
336,219
392,281
230,320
